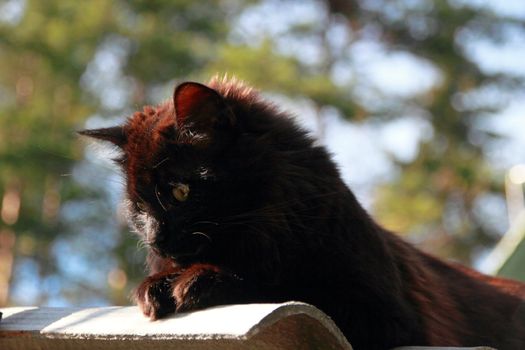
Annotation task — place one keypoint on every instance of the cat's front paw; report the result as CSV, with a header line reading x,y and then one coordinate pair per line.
x,y
154,296
202,286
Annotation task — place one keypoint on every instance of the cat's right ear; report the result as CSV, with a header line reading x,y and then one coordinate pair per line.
x,y
201,108
115,135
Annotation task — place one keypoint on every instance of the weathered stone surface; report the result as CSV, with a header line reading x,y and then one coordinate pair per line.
x,y
441,348
234,327
256,326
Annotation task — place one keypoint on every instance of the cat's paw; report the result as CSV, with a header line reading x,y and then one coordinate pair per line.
x,y
202,286
154,297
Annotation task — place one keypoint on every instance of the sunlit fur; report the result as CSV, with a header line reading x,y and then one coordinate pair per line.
x,y
268,219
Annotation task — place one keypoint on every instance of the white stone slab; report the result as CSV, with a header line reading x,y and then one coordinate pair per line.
x,y
441,348
284,326
257,326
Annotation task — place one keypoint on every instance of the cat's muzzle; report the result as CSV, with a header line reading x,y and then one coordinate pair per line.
x,y
183,245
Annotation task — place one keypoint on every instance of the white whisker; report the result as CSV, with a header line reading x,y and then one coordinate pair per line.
x,y
202,234
158,199
162,161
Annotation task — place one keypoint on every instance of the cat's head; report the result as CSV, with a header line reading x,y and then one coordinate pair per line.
x,y
217,171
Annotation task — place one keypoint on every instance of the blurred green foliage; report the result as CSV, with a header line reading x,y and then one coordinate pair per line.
x,y
450,172
64,62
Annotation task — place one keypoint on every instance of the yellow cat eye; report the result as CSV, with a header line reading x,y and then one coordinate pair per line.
x,y
181,192
141,206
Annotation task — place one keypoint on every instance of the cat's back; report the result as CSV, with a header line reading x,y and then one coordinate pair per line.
x,y
492,309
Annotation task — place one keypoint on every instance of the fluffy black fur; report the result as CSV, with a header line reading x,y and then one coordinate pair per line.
x,y
268,219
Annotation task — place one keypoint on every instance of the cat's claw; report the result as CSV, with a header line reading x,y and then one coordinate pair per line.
x,y
154,297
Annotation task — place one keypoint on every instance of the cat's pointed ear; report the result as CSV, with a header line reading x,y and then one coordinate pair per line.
x,y
115,134
201,108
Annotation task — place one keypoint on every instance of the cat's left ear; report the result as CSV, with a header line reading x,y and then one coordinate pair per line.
x,y
115,135
201,109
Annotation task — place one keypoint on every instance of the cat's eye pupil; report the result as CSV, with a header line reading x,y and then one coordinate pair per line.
x,y
181,192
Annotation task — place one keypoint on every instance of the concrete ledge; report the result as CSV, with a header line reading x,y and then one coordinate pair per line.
x,y
285,326
257,326
441,348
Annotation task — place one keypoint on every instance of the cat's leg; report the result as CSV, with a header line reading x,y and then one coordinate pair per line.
x,y
154,296
204,285
196,287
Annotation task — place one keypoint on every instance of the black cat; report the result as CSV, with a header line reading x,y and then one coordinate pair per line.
x,y
237,204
